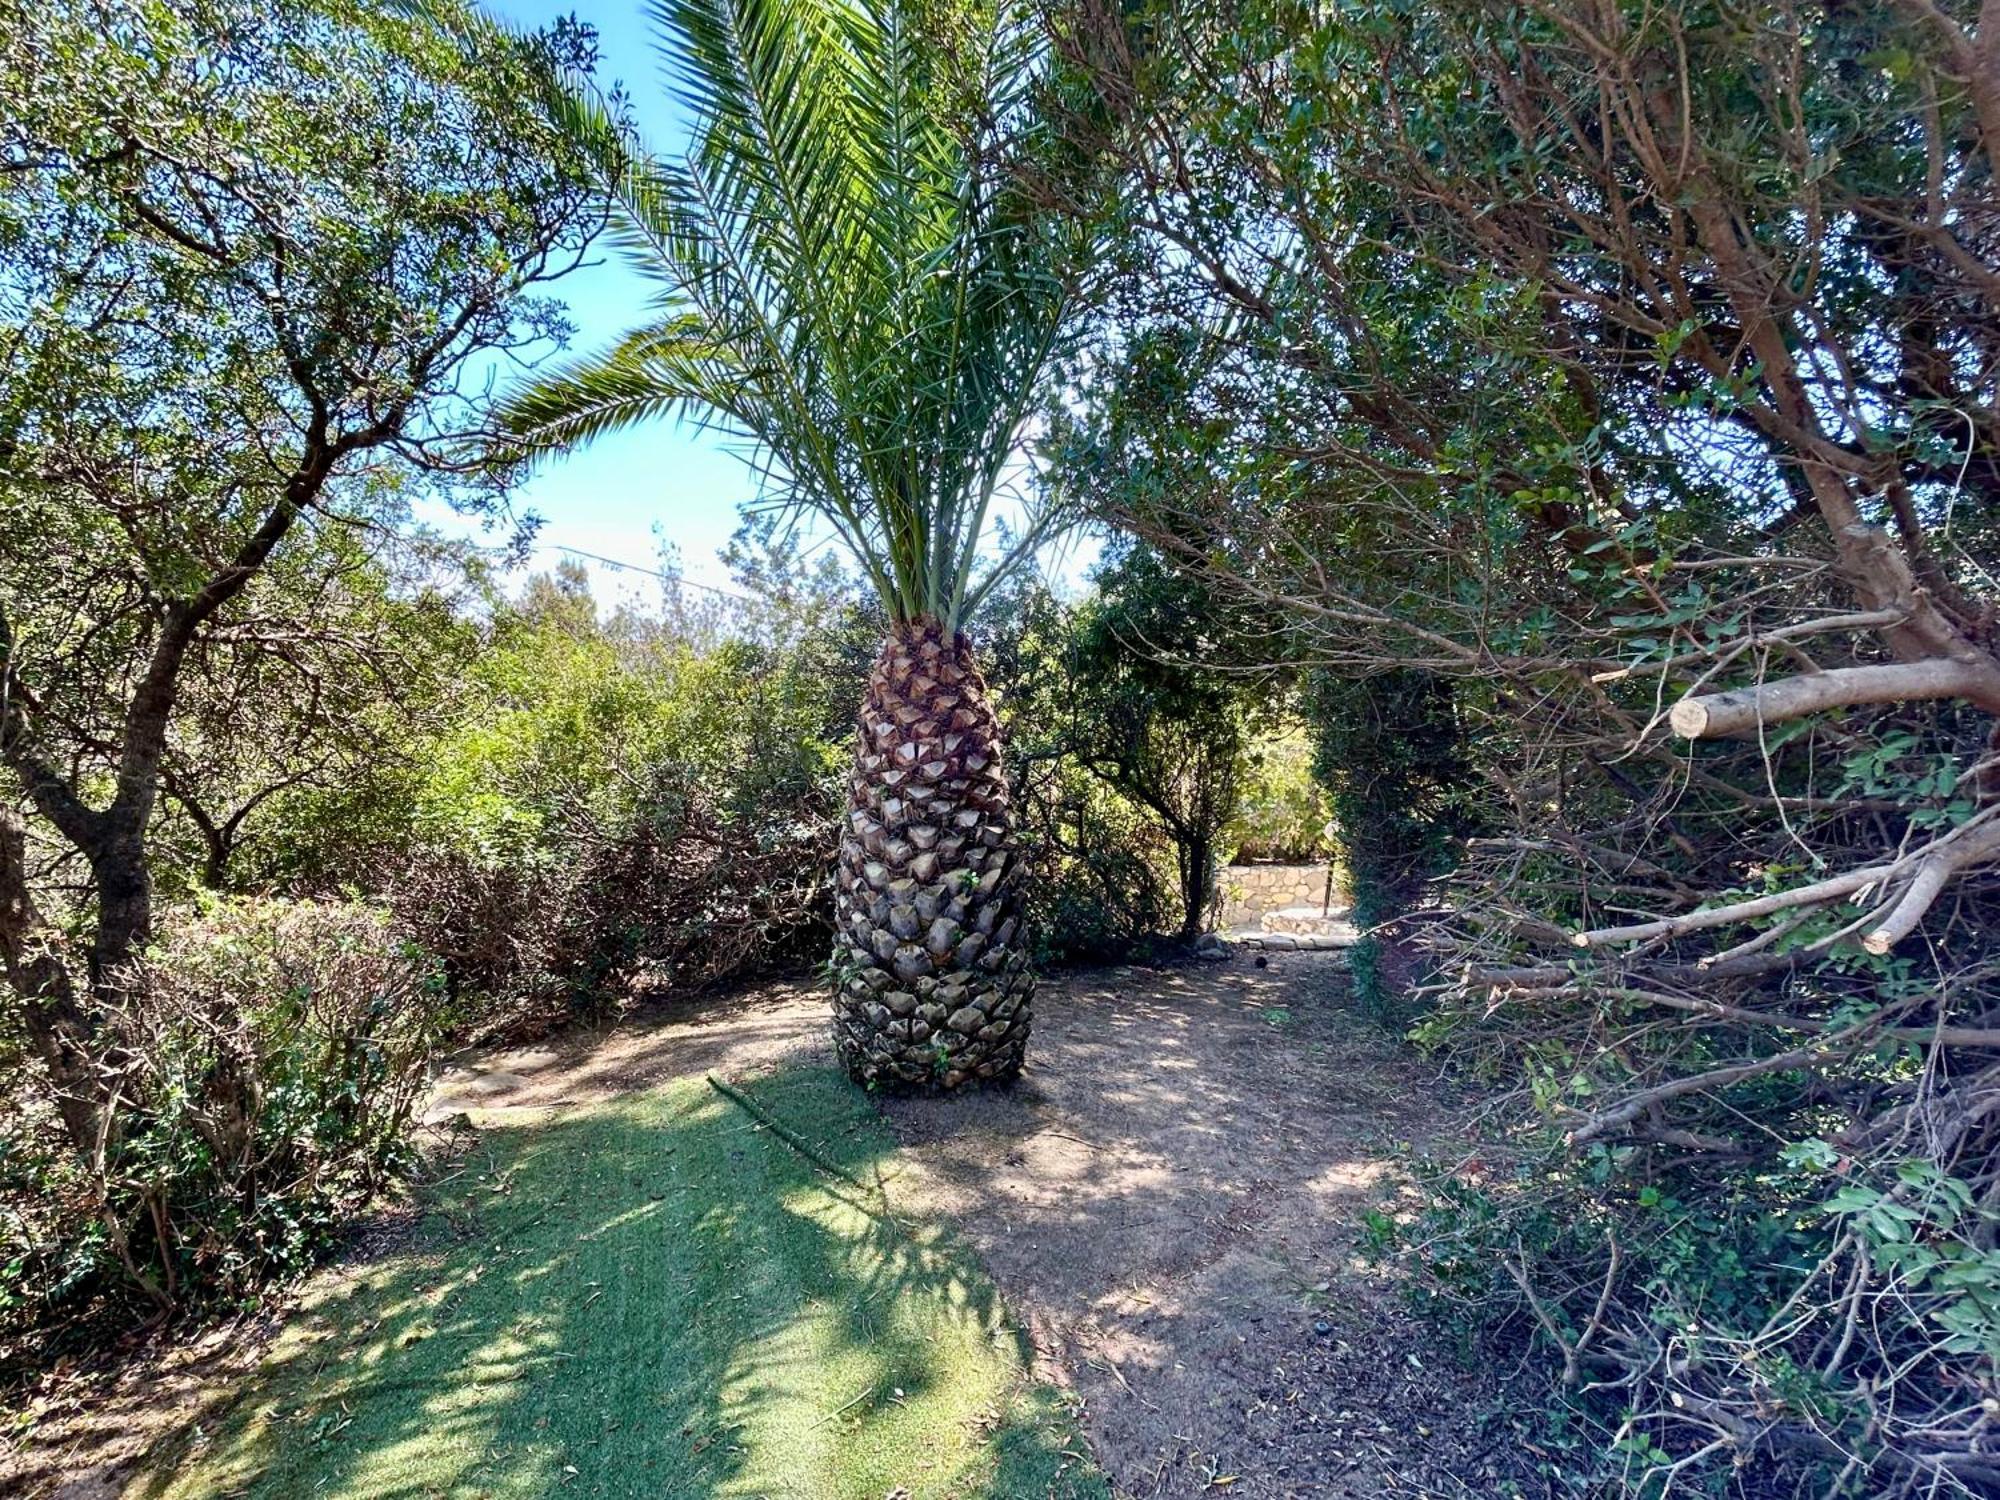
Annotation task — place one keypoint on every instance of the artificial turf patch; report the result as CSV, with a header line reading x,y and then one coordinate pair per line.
x,y
653,1297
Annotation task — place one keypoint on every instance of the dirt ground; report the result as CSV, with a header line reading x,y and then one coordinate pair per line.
x,y
1173,1199
1170,1200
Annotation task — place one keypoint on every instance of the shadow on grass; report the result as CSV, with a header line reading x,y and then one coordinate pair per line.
x,y
654,1296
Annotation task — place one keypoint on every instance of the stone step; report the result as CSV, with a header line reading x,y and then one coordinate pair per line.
x,y
1304,919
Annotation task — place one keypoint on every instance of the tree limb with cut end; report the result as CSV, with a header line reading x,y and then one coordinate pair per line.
x,y
1930,869
1634,1105
1744,710
1833,888
1945,860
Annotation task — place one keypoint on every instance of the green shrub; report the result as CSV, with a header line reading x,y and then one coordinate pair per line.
x,y
629,807
661,893
1102,884
270,1055
1390,750
1738,1300
1285,814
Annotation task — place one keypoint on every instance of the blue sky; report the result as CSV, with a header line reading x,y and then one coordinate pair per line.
x,y
625,495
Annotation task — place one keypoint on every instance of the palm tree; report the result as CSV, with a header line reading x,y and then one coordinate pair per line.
x,y
847,280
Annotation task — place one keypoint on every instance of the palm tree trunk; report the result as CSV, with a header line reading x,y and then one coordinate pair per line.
x,y
932,983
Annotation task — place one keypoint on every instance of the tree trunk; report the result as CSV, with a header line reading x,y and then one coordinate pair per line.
x,y
932,983
1196,855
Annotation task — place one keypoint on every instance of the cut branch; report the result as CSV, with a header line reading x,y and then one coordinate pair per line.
x,y
1934,873
1743,710
1830,889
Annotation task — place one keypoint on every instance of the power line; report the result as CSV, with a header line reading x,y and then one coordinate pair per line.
x,y
628,567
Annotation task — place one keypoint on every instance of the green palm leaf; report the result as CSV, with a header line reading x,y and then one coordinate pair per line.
x,y
845,276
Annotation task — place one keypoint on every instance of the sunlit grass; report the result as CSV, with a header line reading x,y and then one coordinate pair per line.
x,y
653,1297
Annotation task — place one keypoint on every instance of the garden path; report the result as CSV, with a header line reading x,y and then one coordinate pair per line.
x,y
1171,1201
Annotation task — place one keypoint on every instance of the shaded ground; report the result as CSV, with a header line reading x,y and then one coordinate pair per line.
x,y
1170,1203
650,1295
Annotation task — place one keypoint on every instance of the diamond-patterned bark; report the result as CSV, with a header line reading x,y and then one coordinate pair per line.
x,y
932,986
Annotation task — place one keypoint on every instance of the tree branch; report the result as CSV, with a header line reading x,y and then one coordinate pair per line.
x,y
1935,871
1743,710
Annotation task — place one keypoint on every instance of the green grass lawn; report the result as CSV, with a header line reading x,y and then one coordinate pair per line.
x,y
655,1297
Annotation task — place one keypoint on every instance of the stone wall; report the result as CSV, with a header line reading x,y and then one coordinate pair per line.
x,y
1248,891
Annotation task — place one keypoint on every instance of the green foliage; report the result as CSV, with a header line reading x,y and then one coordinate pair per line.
x,y
284,763
1391,751
254,260
269,1054
1284,813
1164,728
1104,884
847,274
254,257
1127,758
1719,1275
1926,1230
618,808
181,322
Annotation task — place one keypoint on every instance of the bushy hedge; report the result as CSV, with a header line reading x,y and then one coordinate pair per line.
x,y
621,810
1391,752
270,1054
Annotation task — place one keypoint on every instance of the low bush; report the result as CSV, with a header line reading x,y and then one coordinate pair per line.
x,y
663,893
1832,1322
269,1055
1101,885
629,807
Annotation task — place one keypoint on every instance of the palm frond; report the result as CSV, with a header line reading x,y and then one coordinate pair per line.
x,y
845,275
669,369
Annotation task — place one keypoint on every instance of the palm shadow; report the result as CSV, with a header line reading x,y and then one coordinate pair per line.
x,y
652,1296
